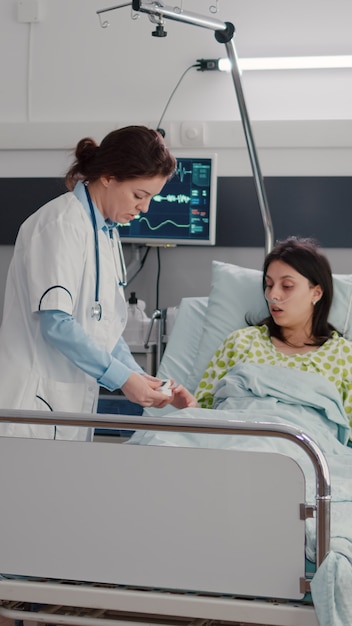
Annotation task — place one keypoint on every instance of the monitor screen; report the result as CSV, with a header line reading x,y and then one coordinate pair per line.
x,y
184,213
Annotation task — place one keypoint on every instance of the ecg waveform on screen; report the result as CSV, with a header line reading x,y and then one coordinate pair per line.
x,y
181,171
180,198
164,223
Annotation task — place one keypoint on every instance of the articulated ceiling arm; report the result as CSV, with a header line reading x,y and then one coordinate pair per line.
x,y
224,32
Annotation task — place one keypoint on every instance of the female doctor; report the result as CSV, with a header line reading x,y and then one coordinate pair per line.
x,y
64,309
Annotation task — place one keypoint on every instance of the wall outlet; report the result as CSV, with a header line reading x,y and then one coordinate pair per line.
x,y
29,11
193,134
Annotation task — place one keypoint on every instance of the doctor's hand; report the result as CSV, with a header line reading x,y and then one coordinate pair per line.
x,y
182,398
142,389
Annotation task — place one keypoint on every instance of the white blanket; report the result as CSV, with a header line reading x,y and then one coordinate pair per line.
x,y
312,404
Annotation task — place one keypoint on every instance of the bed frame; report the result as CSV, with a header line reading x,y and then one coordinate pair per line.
x,y
101,531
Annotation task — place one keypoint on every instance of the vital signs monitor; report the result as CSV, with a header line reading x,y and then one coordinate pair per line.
x,y
184,213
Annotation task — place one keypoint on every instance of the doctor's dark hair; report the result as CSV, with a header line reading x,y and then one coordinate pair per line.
x,y
304,256
126,153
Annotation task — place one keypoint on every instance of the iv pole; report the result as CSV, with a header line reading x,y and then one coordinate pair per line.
x,y
224,32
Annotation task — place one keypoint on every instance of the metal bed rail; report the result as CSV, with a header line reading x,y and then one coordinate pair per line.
x,y
209,426
175,609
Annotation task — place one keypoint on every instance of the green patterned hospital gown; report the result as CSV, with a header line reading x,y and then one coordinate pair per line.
x,y
253,345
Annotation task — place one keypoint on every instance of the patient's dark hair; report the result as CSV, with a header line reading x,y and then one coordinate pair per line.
x,y
304,256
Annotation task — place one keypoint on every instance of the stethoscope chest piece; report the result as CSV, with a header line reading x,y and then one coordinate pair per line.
x,y
96,311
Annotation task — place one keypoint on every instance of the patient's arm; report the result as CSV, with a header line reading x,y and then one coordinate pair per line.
x,y
182,398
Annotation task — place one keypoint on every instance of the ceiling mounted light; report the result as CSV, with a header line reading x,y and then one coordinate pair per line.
x,y
278,63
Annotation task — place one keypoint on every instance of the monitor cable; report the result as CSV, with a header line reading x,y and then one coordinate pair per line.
x,y
140,266
157,278
158,127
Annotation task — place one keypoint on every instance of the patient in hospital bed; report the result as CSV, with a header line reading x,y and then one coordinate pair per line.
x,y
291,365
298,288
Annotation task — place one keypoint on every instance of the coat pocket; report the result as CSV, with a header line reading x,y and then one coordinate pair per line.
x,y
56,396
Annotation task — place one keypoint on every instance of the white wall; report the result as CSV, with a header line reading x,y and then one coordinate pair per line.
x,y
65,77
67,68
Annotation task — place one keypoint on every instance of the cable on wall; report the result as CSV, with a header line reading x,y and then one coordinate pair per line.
x,y
157,278
140,266
158,127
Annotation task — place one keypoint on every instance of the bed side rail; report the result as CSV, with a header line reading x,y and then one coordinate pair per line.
x,y
209,426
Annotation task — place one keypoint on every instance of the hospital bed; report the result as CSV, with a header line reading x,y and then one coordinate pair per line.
x,y
164,530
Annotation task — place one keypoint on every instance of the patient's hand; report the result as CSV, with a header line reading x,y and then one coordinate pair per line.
x,y
182,398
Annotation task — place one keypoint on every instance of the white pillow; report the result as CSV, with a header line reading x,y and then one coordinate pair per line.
x,y
237,293
341,309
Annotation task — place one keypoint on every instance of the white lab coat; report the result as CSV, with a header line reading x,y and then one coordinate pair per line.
x,y
53,267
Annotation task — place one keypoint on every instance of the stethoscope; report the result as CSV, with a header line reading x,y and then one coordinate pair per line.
x,y
97,308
